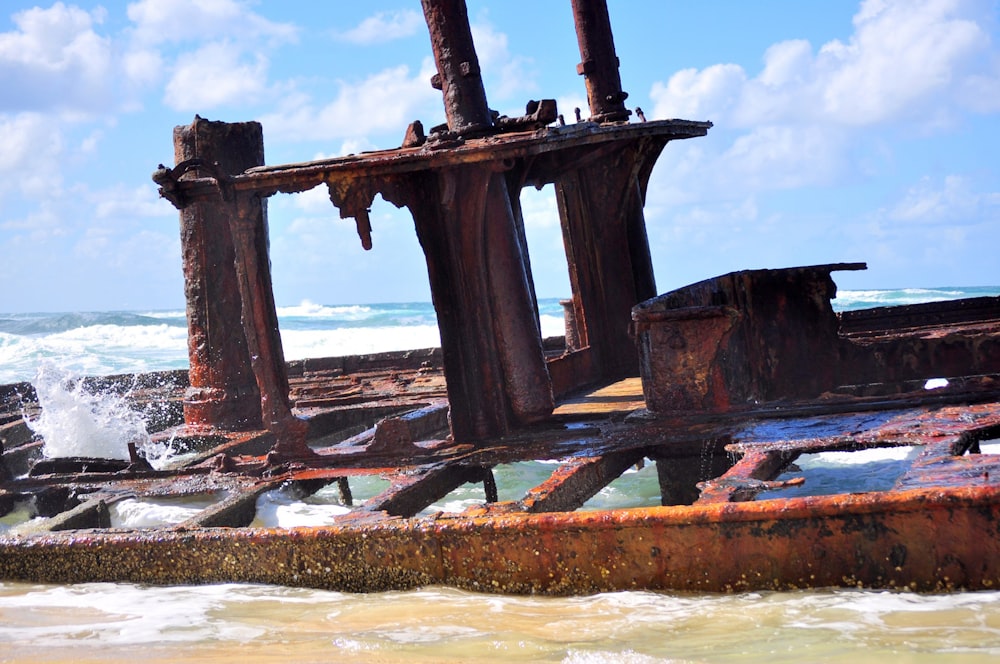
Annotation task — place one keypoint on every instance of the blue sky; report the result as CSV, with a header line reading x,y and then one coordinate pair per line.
x,y
844,131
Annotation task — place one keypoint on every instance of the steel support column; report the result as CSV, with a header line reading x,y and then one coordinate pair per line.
x,y
223,391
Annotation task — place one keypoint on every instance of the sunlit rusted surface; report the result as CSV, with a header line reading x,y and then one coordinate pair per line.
x,y
918,540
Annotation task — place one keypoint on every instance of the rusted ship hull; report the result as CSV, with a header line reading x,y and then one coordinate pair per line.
x,y
920,540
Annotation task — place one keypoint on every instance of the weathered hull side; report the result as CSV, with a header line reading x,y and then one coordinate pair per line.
x,y
925,540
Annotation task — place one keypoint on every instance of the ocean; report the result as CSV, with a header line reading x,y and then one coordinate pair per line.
x,y
247,623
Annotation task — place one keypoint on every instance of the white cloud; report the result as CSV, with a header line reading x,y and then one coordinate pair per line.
x,y
776,157
31,148
905,59
143,66
158,21
384,27
315,201
818,118
55,61
228,67
707,94
138,202
386,101
951,201
217,74
902,54
506,76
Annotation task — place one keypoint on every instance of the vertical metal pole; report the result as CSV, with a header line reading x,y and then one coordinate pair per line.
x,y
599,62
458,77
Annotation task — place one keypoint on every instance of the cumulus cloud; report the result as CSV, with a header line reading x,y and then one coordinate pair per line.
x,y
902,54
904,59
383,27
229,66
54,60
31,150
217,74
385,101
157,22
506,75
699,94
815,118
784,157
952,200
131,203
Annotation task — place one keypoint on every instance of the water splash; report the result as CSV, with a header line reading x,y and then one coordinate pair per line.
x,y
76,422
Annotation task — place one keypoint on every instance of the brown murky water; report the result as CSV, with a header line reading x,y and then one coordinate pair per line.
x,y
243,623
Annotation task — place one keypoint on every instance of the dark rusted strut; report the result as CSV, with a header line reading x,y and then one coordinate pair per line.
x,y
458,77
599,62
260,325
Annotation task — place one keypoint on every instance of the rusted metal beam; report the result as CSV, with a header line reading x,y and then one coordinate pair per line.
x,y
493,357
411,493
607,252
458,75
293,178
91,514
599,62
748,477
248,224
235,511
577,481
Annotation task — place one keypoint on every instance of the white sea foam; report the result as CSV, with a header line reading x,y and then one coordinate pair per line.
x,y
859,457
154,513
76,422
307,309
94,350
857,299
552,326
300,344
276,509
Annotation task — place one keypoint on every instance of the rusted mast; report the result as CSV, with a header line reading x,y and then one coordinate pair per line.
x,y
599,62
459,77
477,265
223,390
600,208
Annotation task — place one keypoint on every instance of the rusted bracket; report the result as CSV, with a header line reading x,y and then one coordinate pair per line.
x,y
537,114
353,197
169,180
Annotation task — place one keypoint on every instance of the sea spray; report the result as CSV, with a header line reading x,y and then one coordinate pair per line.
x,y
75,422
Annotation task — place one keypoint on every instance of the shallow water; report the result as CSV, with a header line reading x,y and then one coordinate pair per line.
x,y
223,623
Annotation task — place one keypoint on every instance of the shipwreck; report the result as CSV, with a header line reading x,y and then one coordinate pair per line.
x,y
723,385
